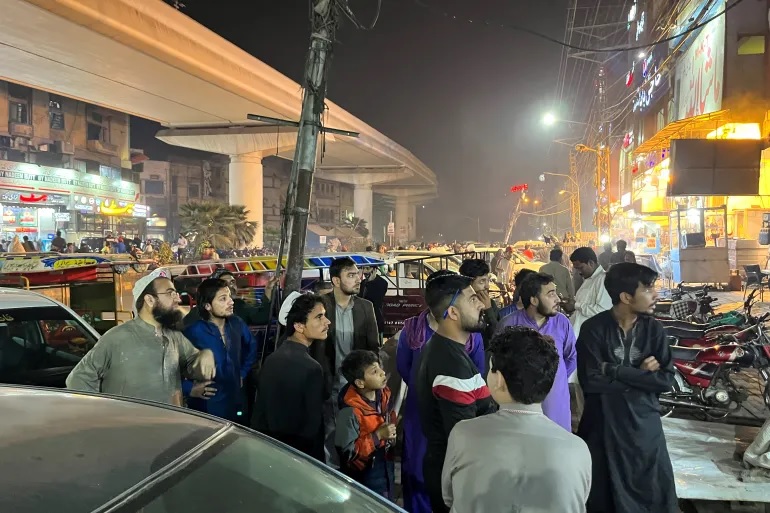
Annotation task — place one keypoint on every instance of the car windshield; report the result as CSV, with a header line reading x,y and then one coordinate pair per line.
x,y
41,338
247,474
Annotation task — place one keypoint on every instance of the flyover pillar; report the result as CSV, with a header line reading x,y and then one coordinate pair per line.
x,y
402,219
412,221
246,188
362,202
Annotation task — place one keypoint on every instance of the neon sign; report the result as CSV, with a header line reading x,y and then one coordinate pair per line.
x,y
520,188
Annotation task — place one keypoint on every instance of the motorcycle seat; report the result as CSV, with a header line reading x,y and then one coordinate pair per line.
x,y
678,332
685,325
687,354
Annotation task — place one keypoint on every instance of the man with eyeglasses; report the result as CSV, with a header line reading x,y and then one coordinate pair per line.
x,y
146,357
448,385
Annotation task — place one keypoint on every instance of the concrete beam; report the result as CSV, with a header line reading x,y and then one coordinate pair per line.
x,y
364,177
406,192
232,140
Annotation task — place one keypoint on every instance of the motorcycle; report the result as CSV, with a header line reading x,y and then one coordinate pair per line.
x,y
703,381
688,334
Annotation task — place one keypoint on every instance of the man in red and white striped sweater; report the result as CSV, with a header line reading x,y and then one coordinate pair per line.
x,y
448,385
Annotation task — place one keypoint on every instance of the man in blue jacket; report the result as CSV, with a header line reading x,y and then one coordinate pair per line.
x,y
234,348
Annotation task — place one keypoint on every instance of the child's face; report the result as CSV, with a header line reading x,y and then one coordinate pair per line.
x,y
374,378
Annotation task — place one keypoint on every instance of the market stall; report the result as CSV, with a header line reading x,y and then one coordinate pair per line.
x,y
699,245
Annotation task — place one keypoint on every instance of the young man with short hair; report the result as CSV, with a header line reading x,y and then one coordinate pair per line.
x,y
517,459
592,297
448,385
366,424
562,276
540,301
624,364
290,397
235,351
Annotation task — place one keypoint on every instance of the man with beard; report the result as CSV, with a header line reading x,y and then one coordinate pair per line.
x,y
353,326
539,298
290,401
448,385
624,364
147,356
478,270
234,348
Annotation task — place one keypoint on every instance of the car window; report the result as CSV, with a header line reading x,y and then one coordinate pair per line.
x,y
247,474
41,338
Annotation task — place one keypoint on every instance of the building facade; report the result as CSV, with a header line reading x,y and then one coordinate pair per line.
x,y
64,165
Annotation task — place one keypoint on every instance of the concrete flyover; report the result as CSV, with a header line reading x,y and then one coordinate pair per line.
x,y
145,58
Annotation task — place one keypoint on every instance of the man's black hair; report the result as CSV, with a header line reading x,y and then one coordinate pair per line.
x,y
440,291
354,365
321,285
300,311
626,277
621,245
584,255
556,255
439,274
531,287
207,291
339,265
528,362
518,279
474,268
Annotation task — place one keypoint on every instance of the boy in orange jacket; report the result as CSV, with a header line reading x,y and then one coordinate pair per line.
x,y
366,424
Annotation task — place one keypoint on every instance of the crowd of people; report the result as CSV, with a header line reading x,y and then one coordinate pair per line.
x,y
477,398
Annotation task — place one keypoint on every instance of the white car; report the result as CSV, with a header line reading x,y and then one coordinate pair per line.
x,y
41,340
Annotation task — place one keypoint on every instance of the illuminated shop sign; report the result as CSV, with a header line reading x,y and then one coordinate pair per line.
x,y
44,179
109,207
32,198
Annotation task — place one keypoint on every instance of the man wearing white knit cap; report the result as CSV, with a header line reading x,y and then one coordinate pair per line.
x,y
147,356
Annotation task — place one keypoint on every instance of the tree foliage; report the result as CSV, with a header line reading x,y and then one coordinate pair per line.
x,y
220,225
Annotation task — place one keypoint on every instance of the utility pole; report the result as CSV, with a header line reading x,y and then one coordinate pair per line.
x,y
324,27
515,213
576,222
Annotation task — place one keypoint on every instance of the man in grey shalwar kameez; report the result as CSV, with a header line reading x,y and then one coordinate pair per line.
x,y
517,459
146,357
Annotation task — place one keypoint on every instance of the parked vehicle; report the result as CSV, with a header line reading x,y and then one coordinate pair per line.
x,y
73,452
41,340
703,376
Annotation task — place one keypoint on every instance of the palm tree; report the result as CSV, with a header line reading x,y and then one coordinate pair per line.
x,y
223,226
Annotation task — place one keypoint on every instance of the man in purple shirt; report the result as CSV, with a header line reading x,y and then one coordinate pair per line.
x,y
539,298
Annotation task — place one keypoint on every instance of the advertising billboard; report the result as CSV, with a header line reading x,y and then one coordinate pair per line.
x,y
700,71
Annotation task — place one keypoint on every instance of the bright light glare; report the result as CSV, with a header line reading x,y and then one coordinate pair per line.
x,y
549,119
604,238
641,55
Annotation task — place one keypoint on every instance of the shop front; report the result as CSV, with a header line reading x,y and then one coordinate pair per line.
x,y
39,200
36,216
705,234
99,217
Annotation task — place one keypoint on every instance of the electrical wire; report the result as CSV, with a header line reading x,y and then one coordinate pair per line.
x,y
344,7
546,37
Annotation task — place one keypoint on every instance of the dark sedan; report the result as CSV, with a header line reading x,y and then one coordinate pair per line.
x,y
69,452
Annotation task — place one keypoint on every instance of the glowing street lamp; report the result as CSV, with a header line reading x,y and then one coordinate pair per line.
x,y
549,119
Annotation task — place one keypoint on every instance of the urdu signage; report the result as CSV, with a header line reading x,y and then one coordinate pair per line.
x,y
45,178
700,71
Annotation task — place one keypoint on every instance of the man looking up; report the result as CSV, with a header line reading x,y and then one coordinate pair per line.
x,y
234,348
147,356
448,385
353,326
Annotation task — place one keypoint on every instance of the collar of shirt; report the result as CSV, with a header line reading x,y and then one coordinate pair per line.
x,y
521,408
599,270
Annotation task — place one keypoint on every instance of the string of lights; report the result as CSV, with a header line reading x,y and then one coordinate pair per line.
x,y
546,37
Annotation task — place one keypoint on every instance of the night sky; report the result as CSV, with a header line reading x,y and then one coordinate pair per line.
x,y
465,99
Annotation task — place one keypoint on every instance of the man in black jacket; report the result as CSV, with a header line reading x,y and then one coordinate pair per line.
x,y
290,401
353,326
